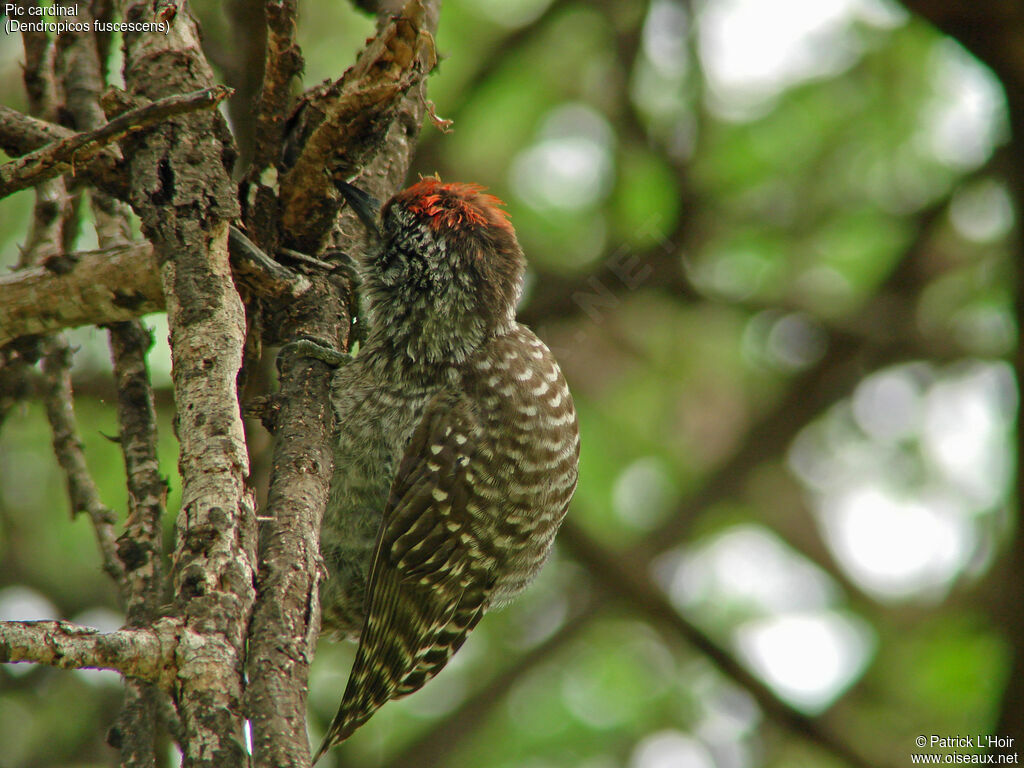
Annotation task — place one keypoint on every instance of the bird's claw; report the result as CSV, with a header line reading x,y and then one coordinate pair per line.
x,y
310,349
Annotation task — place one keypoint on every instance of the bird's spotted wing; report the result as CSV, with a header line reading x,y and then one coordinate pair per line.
x,y
428,585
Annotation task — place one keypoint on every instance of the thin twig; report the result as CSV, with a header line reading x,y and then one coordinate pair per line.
x,y
62,157
265,276
503,52
67,446
21,134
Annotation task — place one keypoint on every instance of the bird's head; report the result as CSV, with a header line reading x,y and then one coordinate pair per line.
x,y
447,265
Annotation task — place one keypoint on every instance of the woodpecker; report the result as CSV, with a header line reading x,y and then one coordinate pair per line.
x,y
458,444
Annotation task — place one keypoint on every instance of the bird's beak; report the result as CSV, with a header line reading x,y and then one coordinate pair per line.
x,y
367,208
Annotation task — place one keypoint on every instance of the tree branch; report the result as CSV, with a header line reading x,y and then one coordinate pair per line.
x,y
340,125
266,277
140,546
88,288
117,284
21,134
285,620
38,75
502,53
241,57
182,191
61,157
144,654
283,64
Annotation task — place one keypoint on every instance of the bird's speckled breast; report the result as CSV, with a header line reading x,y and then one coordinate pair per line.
x,y
374,426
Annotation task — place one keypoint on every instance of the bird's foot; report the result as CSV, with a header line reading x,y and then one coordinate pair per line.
x,y
309,348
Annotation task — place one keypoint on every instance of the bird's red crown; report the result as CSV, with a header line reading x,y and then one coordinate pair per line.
x,y
456,206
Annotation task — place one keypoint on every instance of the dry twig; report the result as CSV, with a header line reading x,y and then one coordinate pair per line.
x,y
67,446
63,156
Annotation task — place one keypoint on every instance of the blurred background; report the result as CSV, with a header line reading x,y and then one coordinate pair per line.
x,y
773,246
